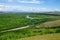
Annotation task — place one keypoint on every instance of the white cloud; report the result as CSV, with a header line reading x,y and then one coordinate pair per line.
x,y
19,8
57,9
1,7
35,2
27,1
10,0
24,8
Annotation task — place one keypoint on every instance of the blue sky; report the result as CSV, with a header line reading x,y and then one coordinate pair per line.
x,y
30,5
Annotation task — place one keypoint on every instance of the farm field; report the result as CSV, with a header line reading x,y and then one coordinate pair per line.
x,y
10,21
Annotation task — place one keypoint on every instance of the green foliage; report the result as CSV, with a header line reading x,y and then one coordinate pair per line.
x,y
9,21
26,33
58,31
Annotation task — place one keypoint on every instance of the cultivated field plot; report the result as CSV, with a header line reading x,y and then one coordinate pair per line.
x,y
11,21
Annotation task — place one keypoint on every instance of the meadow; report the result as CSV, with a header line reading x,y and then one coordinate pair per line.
x,y
10,21
44,37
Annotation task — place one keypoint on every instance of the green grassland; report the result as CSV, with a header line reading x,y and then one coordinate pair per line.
x,y
29,32
9,21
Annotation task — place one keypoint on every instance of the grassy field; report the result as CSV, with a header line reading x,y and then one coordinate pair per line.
x,y
55,23
9,21
24,33
44,37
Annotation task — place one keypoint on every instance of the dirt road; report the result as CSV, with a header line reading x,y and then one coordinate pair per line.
x,y
15,29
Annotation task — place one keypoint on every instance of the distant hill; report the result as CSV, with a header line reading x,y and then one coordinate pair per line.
x,y
55,13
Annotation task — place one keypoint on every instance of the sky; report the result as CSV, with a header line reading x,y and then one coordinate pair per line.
x,y
29,5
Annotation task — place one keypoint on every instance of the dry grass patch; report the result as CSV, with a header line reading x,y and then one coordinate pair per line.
x,y
50,24
44,37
